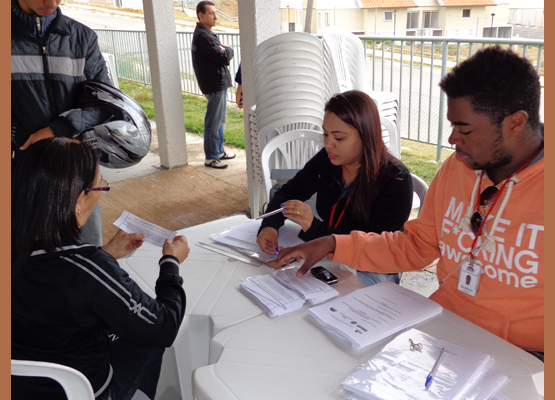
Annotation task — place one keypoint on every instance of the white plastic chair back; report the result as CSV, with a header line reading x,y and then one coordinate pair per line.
x,y
75,384
290,150
111,66
282,43
390,137
420,189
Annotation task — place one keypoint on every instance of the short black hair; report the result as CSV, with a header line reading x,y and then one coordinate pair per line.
x,y
498,83
46,182
201,6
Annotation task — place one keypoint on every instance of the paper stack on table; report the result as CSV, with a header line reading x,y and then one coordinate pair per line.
x,y
283,292
243,238
373,313
400,369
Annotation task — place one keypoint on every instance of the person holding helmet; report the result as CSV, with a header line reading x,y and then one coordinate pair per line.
x,y
52,56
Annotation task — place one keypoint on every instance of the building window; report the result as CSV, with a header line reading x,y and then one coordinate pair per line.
x,y
388,16
327,19
298,17
412,20
430,19
466,13
319,20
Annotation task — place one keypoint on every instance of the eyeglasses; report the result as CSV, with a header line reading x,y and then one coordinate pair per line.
x,y
103,188
487,196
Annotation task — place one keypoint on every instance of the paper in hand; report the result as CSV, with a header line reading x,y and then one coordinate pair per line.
x,y
154,234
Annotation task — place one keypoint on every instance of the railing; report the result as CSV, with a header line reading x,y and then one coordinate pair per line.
x,y
422,111
131,55
414,73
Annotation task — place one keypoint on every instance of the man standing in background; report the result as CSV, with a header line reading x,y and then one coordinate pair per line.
x,y
210,62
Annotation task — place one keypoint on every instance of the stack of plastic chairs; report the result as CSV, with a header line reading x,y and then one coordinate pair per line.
x,y
345,69
289,93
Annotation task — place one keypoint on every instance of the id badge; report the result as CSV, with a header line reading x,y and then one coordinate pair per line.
x,y
469,278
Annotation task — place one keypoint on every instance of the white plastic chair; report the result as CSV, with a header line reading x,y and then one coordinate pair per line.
x,y
420,189
345,69
290,150
282,43
75,384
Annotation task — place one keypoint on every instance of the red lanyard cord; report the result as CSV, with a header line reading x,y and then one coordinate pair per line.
x,y
497,196
346,204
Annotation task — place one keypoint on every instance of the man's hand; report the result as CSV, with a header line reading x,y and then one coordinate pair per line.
x,y
311,252
239,96
268,240
44,133
179,248
123,243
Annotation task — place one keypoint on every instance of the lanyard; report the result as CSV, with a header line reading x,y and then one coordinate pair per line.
x,y
344,208
497,196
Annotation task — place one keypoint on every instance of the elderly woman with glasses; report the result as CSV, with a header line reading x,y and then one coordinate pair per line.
x,y
71,302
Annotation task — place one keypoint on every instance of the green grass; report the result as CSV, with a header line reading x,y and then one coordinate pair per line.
x,y
418,157
194,109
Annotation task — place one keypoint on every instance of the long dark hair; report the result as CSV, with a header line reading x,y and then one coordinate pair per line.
x,y
46,182
357,109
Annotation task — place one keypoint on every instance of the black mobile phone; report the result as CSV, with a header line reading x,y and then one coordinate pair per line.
x,y
324,275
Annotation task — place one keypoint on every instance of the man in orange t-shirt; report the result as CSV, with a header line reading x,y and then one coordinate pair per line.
x,y
483,213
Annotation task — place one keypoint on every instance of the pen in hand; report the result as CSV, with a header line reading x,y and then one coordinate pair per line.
x,y
432,373
270,213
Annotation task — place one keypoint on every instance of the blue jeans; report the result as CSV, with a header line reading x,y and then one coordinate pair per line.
x,y
134,368
371,278
91,232
214,122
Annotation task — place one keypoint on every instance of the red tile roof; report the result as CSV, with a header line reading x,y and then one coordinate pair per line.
x,y
387,3
464,3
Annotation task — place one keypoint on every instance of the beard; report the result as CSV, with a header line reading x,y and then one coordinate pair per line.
x,y
500,155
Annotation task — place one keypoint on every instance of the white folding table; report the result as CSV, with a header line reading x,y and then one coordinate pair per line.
x,y
211,284
293,357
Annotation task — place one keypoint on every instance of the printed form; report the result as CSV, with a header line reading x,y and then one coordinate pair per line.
x,y
154,234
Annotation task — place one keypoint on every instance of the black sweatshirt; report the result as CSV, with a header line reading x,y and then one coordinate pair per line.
x,y
390,208
66,303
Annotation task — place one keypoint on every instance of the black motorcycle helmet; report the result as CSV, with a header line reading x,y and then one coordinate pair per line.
x,y
124,140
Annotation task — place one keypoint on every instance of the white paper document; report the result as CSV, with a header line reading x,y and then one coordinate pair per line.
x,y
399,371
154,234
244,236
373,313
283,292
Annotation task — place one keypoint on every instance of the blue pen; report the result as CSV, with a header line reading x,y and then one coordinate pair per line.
x,y
432,373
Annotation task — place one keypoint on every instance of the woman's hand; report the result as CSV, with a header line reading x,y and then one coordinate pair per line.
x,y
268,241
299,212
123,243
179,248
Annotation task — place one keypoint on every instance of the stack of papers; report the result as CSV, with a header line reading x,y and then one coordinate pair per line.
x,y
400,369
373,313
243,238
283,292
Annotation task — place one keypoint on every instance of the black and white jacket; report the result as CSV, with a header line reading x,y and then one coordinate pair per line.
x,y
47,73
66,303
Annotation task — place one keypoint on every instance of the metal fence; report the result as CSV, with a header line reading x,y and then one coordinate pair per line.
x,y
410,66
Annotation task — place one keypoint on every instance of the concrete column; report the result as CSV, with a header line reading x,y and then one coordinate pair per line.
x,y
166,82
258,20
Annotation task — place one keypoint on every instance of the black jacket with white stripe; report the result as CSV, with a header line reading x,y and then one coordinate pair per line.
x,y
66,303
47,75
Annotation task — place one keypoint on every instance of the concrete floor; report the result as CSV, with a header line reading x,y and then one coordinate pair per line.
x,y
187,196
